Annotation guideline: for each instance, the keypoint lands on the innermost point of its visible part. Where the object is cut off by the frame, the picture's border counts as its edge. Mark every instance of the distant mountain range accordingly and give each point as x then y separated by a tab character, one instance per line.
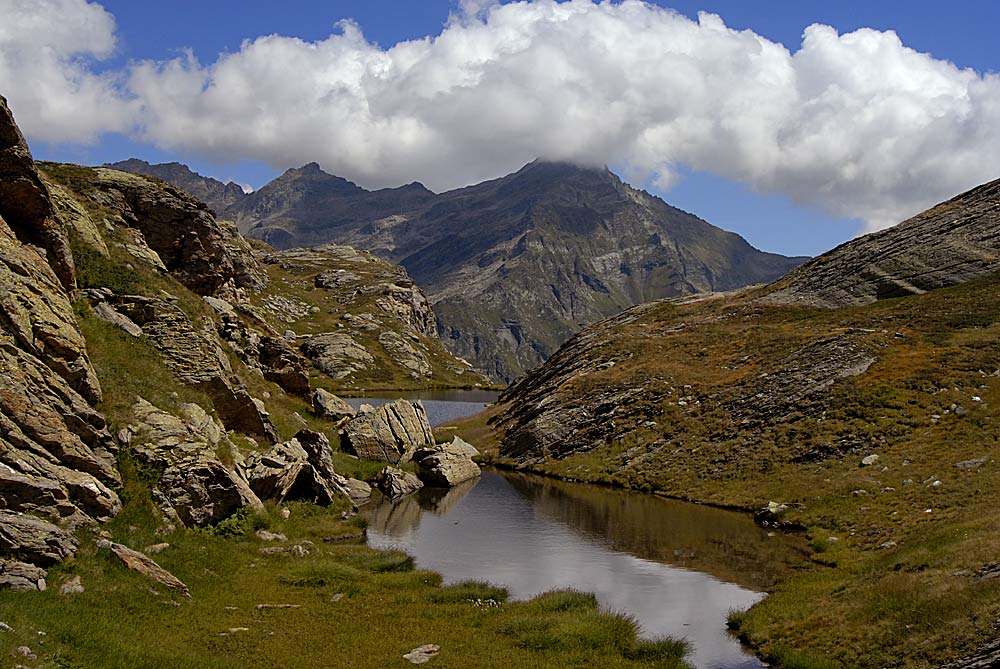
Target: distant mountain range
513	266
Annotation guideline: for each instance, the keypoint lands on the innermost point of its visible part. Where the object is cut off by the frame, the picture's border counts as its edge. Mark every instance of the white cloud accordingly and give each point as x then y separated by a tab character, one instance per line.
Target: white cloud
46	47
857	124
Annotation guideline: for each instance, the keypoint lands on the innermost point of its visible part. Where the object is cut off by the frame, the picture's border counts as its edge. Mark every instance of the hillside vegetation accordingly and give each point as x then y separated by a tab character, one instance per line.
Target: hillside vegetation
872	427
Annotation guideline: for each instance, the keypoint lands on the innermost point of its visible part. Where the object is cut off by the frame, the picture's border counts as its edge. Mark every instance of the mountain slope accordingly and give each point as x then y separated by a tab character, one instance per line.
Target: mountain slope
951	243
514	266
873	426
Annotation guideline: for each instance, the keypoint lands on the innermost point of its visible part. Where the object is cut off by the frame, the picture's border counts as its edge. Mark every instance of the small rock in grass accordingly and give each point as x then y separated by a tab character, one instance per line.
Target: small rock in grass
264	535
422	654
72	586
975	463
156	548
25	652
869	460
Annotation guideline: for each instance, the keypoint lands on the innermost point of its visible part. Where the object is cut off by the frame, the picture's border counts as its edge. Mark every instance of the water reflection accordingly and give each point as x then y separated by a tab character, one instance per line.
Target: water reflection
678	568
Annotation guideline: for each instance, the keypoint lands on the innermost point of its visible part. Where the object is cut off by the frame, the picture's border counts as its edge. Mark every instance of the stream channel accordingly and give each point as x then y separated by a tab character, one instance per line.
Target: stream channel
676	567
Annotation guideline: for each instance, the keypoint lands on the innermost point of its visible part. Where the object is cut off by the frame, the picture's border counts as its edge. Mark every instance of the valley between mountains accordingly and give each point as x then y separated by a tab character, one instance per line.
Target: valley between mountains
180	478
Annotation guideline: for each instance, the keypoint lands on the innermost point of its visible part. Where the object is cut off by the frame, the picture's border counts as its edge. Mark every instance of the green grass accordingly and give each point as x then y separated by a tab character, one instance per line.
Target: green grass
476	592
365	608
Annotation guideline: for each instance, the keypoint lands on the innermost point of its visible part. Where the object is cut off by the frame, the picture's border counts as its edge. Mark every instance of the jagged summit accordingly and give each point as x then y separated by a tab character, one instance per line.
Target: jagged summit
217	195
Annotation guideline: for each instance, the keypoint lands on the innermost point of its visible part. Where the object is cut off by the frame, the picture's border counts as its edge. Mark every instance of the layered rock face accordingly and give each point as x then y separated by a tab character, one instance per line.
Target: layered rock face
514	266
391	433
954	242
194	487
56	454
204	254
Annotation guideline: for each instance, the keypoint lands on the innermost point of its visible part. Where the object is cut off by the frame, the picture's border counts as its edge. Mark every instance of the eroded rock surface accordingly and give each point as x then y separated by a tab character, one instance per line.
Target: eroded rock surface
327	405
952	243
32	540
390	433
298	469
56	454
445	465
395	483
194	487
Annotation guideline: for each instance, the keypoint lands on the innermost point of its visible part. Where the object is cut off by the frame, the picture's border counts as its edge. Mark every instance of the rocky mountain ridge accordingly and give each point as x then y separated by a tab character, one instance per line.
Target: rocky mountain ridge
514	266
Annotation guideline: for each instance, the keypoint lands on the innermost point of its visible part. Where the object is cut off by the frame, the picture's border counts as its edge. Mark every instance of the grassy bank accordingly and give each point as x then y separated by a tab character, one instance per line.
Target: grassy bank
340	605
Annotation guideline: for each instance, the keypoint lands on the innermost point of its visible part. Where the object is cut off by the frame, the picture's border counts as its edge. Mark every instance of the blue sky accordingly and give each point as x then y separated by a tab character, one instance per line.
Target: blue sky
961	32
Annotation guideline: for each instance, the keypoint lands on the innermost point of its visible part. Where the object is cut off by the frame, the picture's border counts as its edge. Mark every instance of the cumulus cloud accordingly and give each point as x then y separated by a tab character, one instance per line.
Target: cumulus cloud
47	48
856	124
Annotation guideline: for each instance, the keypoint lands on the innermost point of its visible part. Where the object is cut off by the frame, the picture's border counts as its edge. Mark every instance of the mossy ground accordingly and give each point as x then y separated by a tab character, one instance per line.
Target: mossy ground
896	545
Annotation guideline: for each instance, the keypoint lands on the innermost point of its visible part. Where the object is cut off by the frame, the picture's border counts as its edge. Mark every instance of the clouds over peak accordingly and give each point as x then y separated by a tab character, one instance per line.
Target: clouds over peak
857	124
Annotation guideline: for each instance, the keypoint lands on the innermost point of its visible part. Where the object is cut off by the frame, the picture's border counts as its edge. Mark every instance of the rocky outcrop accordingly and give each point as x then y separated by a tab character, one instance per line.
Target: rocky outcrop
337	354
260	348
56	454
20	576
954	242
446	465
206	255
390	433
194	486
32	540
217	195
395	483
360	318
193	355
327	405
25	203
298	469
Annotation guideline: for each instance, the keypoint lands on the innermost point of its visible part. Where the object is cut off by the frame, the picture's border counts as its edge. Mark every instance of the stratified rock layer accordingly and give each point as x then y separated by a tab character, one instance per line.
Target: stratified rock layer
955	242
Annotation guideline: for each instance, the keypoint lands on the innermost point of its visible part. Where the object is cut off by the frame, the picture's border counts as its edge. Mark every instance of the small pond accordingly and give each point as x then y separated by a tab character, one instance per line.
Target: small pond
677	567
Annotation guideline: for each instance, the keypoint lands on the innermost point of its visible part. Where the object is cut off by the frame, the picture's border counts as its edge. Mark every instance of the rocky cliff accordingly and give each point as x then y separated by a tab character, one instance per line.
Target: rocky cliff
56	453
514	266
873	426
144	342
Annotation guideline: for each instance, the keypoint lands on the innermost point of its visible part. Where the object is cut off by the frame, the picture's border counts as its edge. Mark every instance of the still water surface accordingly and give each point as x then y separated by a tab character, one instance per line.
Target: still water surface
677	567
442	406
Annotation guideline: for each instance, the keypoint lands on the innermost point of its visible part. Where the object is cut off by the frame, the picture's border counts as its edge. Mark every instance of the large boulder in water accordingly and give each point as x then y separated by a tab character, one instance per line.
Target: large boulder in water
390	433
446	465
